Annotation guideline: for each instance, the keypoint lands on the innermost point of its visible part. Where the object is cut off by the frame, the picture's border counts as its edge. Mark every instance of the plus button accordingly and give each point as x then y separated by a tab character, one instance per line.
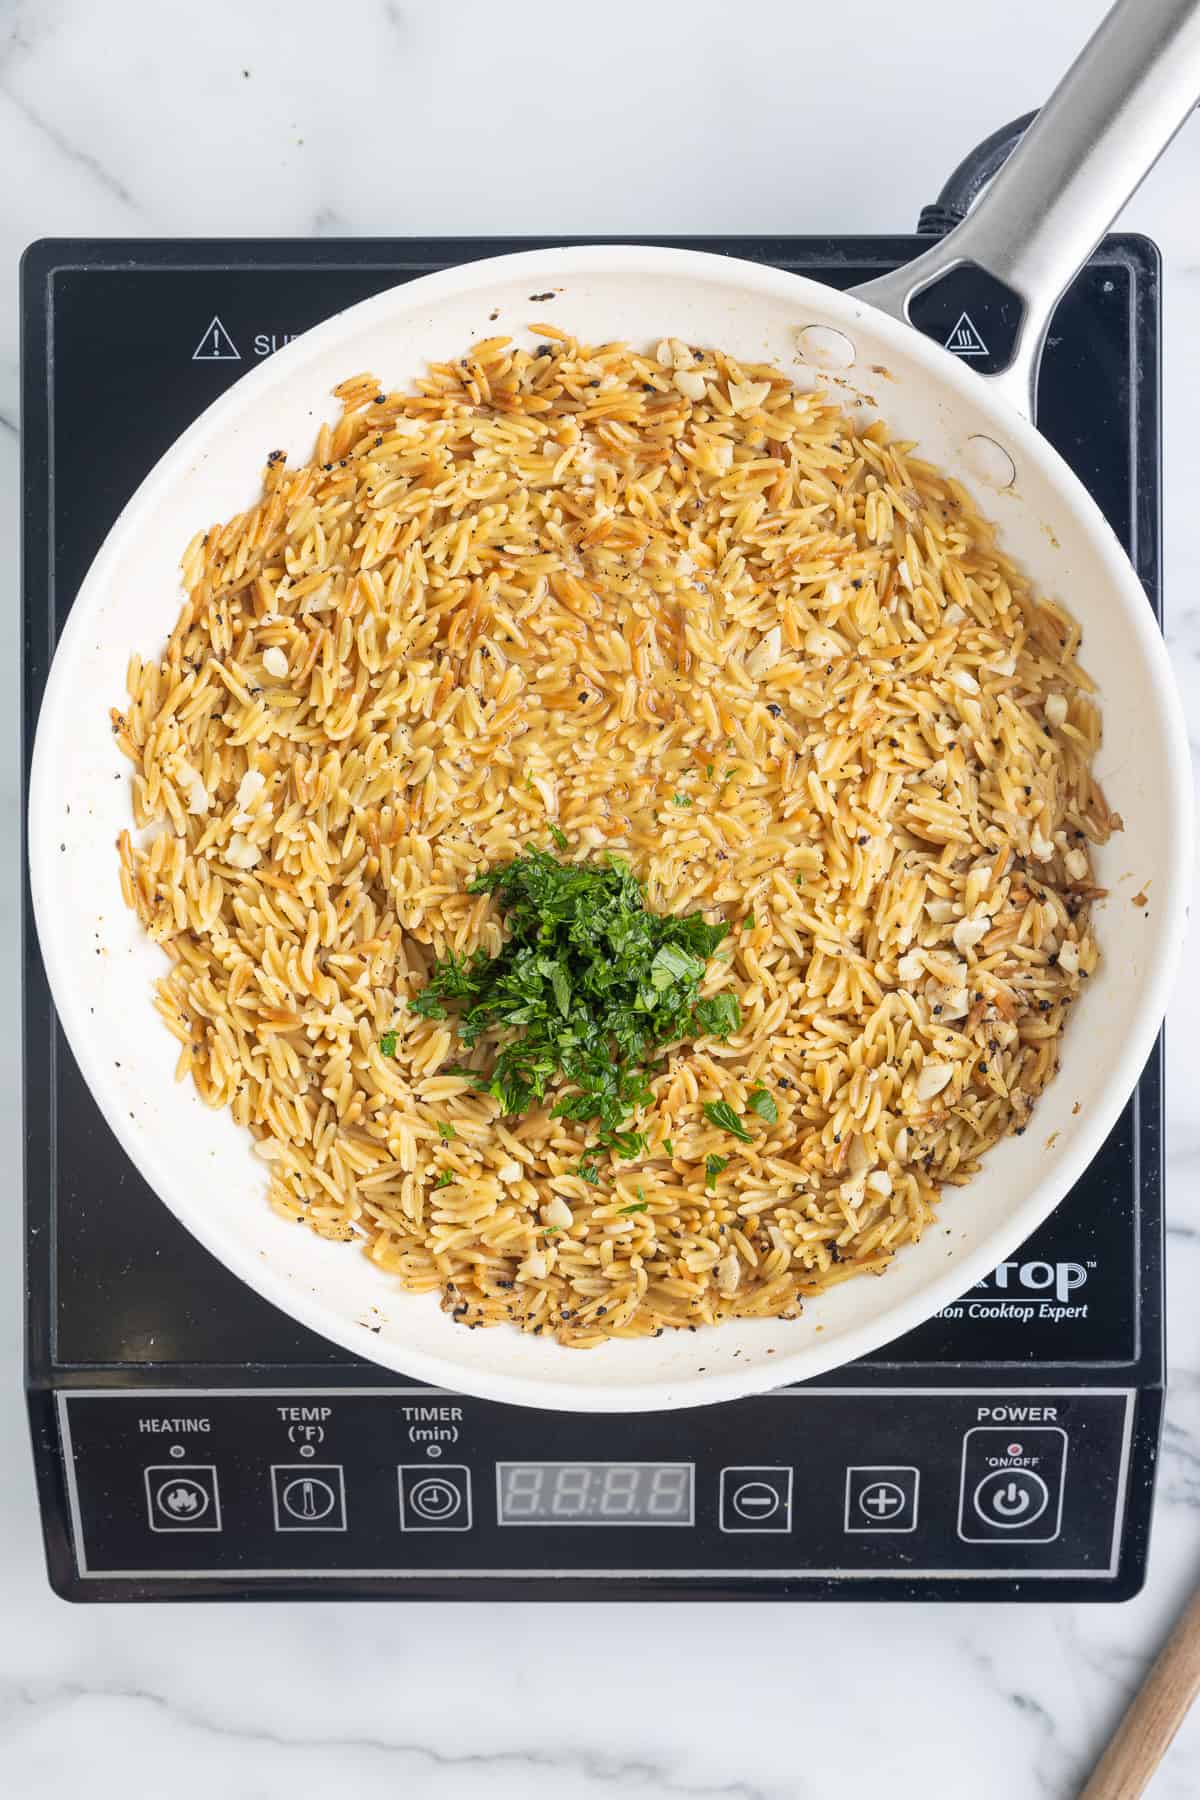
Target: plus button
881	1499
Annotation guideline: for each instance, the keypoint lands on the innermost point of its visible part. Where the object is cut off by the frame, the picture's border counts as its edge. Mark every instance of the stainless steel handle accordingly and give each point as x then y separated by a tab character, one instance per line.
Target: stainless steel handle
1097	137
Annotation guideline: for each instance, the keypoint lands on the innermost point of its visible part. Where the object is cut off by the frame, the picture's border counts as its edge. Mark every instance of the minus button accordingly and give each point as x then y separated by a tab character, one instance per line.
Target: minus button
756	1499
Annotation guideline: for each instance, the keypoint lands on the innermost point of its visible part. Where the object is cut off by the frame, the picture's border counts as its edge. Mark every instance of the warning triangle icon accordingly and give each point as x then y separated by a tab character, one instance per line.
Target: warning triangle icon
965	340
216	345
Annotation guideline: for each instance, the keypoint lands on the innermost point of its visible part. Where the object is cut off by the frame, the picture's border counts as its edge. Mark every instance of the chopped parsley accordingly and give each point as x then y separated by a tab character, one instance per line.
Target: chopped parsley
763	1103
749	923
719	1016
712	1168
445	1179
668	1146
708	772
681	800
635	1206
587	986
560	837
446	1131
387	1044
590	1171
722	1115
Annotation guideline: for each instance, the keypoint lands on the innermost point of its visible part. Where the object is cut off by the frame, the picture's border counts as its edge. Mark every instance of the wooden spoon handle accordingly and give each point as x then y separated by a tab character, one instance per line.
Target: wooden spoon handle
1155	1714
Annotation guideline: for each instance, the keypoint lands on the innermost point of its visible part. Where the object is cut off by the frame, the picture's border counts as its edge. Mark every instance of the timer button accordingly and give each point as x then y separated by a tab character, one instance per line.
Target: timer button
435	1499
756	1499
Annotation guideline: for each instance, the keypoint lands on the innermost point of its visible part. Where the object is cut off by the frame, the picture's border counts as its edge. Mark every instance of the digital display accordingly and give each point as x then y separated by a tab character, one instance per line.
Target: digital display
595	1493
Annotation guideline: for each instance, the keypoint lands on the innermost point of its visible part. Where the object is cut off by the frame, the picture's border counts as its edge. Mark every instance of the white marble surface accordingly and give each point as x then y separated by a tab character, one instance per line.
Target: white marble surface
642	115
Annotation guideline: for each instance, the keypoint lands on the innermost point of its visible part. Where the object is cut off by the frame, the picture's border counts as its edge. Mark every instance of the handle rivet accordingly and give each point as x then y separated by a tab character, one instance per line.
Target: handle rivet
989	462
826	347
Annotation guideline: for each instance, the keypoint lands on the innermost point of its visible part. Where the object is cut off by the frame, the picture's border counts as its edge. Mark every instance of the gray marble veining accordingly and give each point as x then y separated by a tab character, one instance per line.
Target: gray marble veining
464	117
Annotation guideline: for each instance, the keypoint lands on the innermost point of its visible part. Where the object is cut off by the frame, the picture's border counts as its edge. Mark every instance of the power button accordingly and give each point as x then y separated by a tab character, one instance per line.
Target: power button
1009	1499
1012	1484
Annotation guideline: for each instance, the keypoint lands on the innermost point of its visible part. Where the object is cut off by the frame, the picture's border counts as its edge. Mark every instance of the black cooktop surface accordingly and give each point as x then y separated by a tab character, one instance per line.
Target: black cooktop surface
124	344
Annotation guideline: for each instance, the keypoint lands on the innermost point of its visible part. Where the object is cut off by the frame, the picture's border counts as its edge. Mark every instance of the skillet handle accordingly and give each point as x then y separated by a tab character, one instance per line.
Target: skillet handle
1100	133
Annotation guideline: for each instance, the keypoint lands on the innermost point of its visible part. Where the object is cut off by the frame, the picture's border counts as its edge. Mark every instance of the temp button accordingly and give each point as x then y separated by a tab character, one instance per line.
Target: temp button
308	1496
1012	1484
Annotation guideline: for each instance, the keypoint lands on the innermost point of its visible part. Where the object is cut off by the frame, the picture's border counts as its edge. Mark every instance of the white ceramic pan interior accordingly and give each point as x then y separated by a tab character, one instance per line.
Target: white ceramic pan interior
102	968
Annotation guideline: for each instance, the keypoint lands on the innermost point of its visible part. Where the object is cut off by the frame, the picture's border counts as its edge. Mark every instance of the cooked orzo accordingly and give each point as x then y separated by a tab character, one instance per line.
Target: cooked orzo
663	607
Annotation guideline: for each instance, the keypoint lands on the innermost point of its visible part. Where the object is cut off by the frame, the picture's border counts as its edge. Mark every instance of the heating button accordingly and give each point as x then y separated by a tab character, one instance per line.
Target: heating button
183	1497
1012	1484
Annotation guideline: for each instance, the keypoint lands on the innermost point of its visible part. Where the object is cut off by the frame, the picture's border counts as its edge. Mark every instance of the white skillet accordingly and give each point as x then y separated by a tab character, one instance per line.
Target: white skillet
1103	129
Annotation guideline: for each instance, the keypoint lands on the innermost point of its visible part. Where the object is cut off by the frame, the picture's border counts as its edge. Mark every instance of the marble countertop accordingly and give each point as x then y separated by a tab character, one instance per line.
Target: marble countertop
642	116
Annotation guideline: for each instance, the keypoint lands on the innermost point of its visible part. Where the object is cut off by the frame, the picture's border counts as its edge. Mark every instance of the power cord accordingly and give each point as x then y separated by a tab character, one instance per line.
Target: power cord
962	189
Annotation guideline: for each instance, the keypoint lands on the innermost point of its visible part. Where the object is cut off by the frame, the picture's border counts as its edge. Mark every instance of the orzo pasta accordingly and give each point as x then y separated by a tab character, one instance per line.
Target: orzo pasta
657	605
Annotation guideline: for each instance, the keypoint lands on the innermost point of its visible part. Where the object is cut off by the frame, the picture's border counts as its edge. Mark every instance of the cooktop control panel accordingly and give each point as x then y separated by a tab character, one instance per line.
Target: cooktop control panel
413	1482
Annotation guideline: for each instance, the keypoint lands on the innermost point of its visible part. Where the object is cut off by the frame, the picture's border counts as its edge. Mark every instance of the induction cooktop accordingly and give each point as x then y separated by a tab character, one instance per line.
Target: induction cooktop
193	1442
